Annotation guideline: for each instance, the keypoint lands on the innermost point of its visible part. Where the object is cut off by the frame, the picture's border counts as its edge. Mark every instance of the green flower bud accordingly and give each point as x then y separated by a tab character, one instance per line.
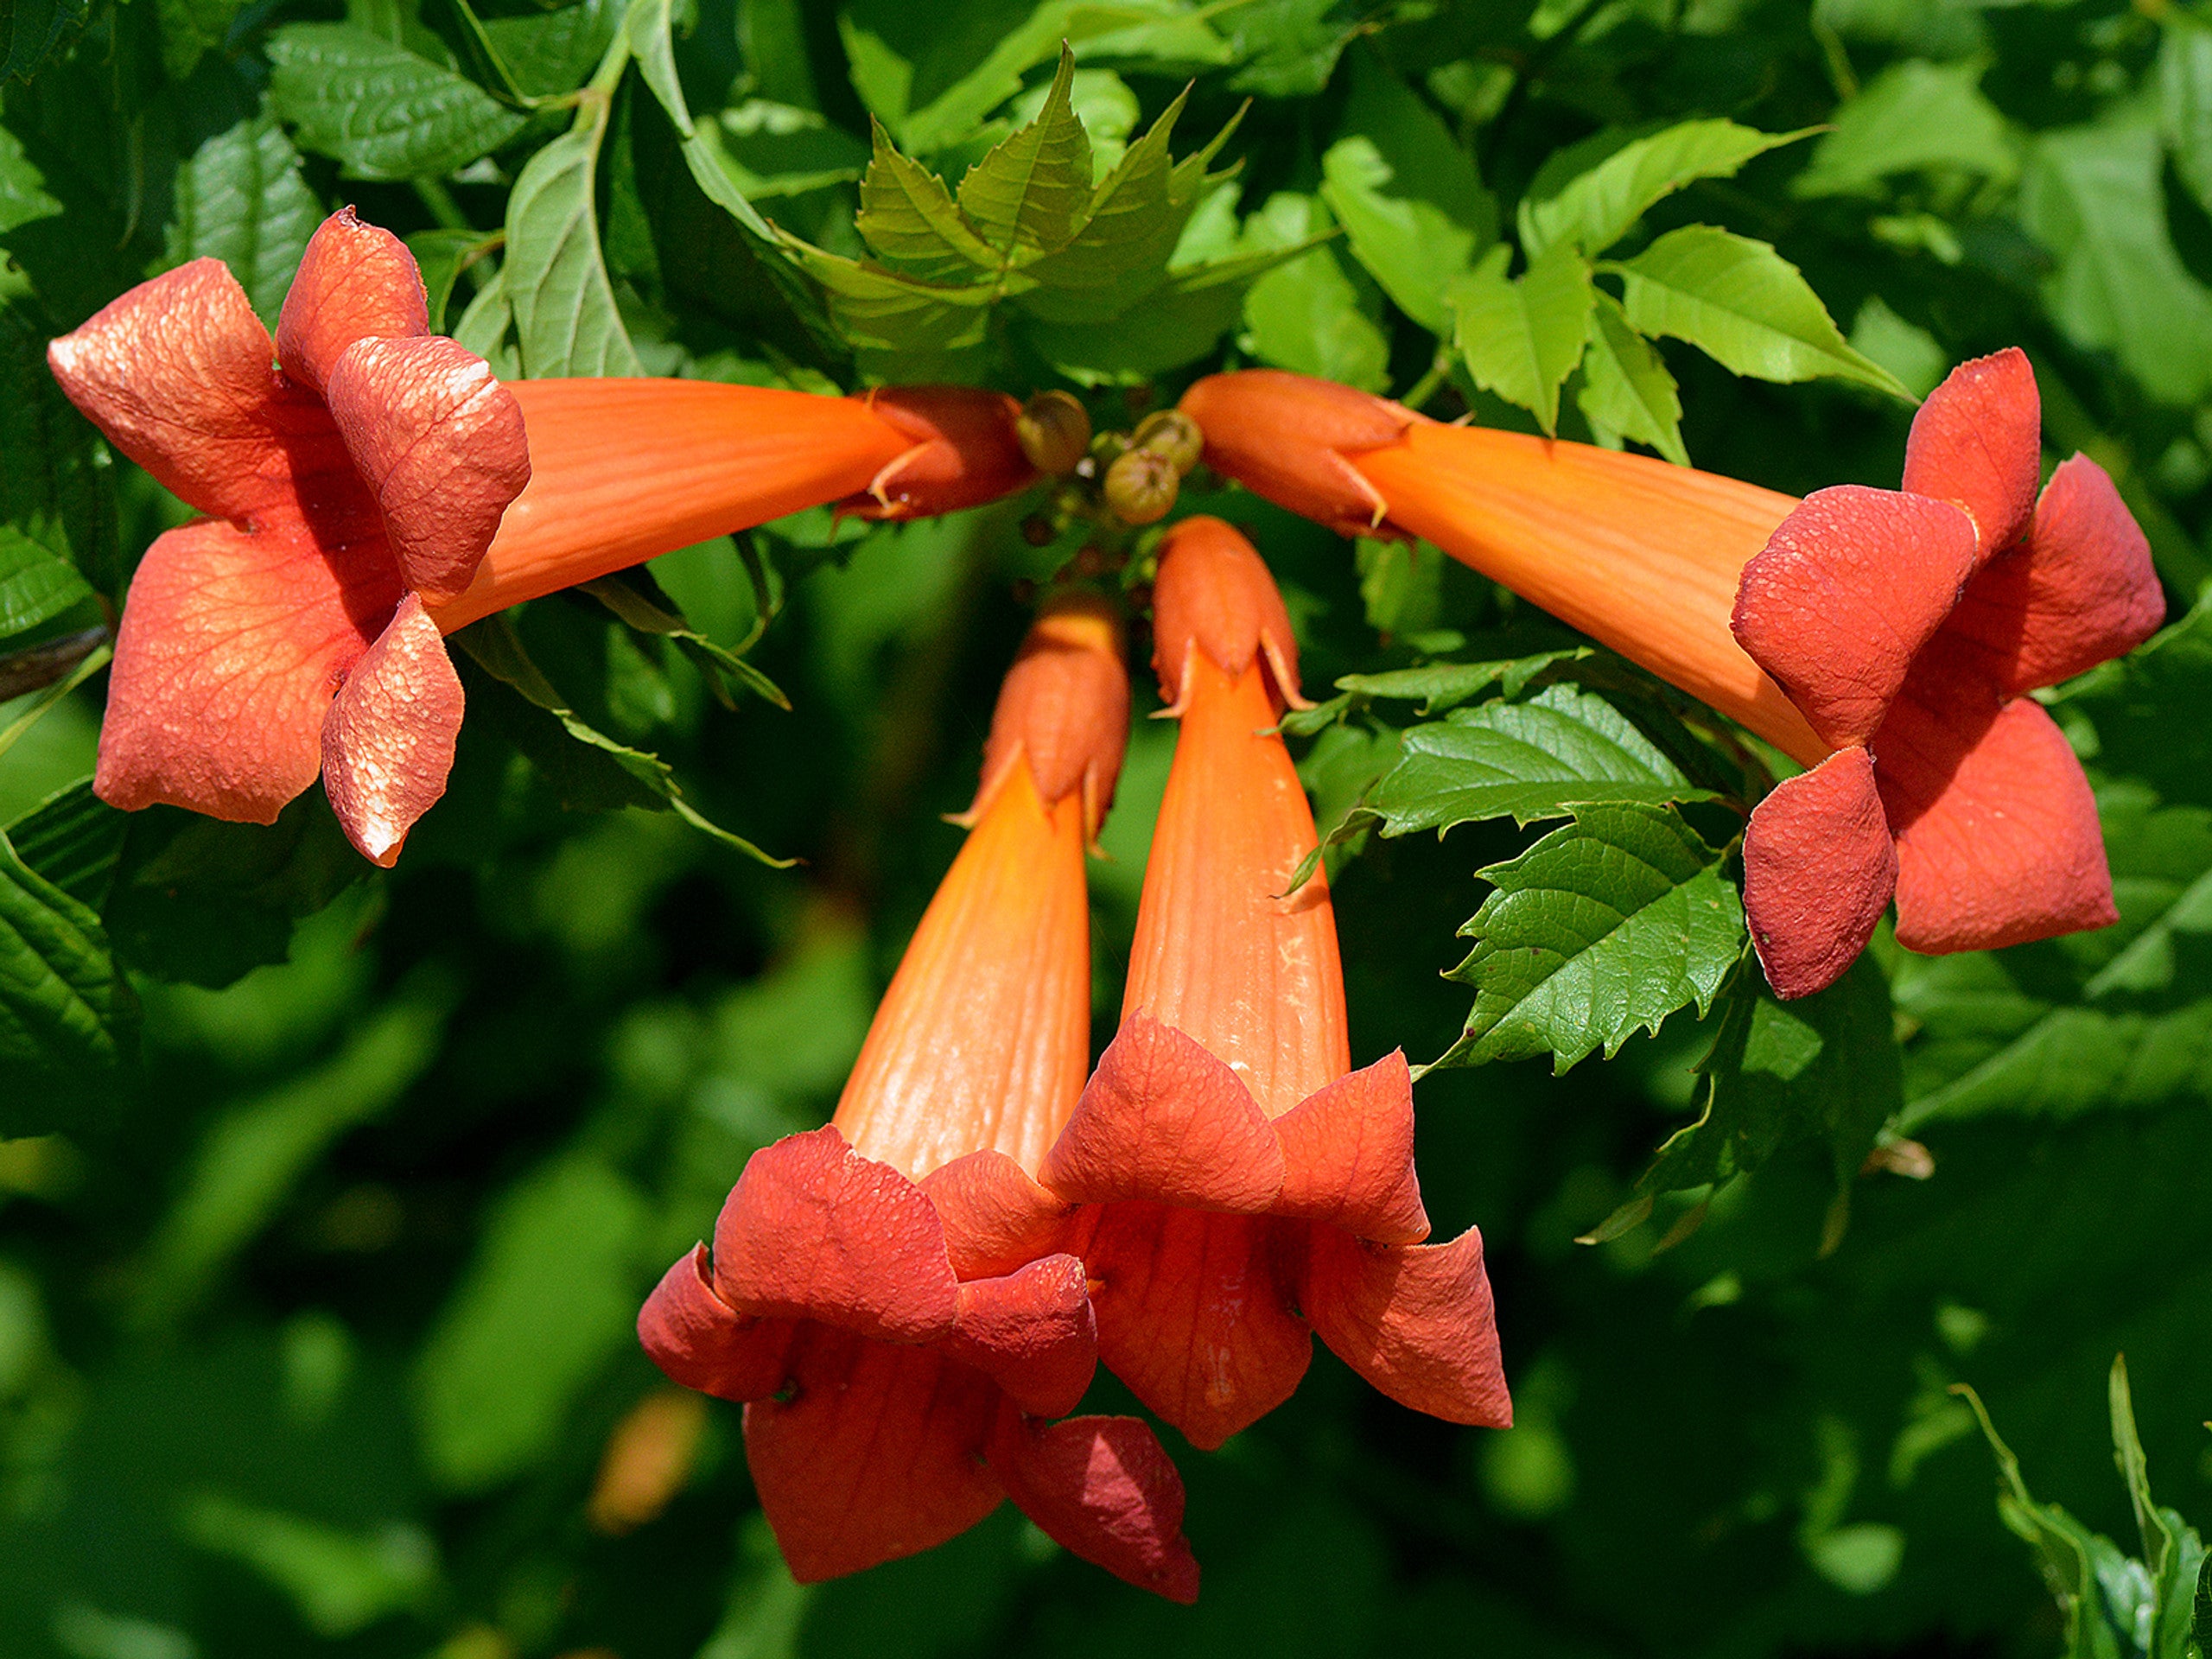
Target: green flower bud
1142	486
1054	430
1174	434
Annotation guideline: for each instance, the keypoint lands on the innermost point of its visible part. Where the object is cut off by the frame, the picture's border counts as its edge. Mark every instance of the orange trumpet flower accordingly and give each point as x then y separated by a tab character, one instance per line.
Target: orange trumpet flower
370	486
1238	1188
1885	639
899	1351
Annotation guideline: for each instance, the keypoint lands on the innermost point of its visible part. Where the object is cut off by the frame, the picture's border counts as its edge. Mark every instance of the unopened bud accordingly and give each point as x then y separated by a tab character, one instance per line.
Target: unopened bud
1174	434
1142	486
1054	432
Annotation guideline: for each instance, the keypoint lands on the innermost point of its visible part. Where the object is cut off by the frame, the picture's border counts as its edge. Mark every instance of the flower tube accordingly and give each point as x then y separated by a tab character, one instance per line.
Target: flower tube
900	1353
375	487
1238	1186
1883	639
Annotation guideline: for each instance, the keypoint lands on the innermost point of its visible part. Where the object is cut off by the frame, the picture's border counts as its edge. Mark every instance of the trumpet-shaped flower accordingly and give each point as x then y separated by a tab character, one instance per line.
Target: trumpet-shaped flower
1883	639
900	1350
369	487
1238	1188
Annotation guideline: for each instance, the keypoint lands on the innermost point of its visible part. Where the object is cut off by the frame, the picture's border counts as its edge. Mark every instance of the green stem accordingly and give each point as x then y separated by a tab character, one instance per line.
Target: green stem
1439	370
30	716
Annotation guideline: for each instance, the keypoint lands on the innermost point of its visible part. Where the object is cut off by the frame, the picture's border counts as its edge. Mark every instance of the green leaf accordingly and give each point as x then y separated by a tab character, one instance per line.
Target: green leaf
1602	929
910	221
23	197
2204	1607
191	29
555	276
554	52
635	597
339	1581
2185	101
37	29
1561	750
1304	314
1407	195
442	256
1597	208
1625	386
1181	320
2093	196
36	587
72	839
241	198
1033	191
378	108
769	150
65	1014
1915	117
1436	686
1287	49
1743	305
1522	338
57	488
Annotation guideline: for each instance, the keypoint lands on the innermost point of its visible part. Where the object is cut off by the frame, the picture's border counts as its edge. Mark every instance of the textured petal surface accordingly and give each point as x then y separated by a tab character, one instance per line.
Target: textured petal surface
1030	1332
1214	595
1348	1156
1853	583
1064	708
356	281
1192	1315
439	442
1977	444
693	1336
963	451
388	740
2080	590
230	644
1818	870
1102	1488
878	1453
1163	1119
1287	436
1998	838
995	1217
1415	1320
177	372
814	1230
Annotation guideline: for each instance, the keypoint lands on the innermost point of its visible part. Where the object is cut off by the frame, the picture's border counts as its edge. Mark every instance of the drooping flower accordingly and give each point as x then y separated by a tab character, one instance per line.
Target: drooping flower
901	1354
1237	1186
370	486
1883	639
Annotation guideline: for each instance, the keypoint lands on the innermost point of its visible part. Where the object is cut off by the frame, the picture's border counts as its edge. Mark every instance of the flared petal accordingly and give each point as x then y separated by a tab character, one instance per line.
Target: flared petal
1288	437
1819	870
1031	1331
878	1453
1064	708
1996	832
2080	590
1191	1314
622	470
1852	585
814	1230
388	739
699	1342
356	281
1348	1156
230	644
1105	1489
1415	1320
963	449
996	1218
439	442
1215	597
177	372
1162	1119
1977	444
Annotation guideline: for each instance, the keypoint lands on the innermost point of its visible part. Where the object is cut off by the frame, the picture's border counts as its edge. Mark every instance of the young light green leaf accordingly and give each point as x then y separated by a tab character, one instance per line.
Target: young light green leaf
241	197
1744	306
1304	314
1596	209
1602	929
1522	338
2185	101
881	311
36	587
1033	191
908	219
1626	387
1915	117
64	1009
380	110
554	275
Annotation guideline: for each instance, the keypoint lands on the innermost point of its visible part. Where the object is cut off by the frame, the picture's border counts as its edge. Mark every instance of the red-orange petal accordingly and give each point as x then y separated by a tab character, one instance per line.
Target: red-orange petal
995	1217
1287	436
1998	838
1839	602
1977	444
230	644
1819	870
2081	589
1415	1320
1191	1314
1348	1156
878	1453
699	1342
1105	1489
356	281
439	442
388	740
1064	707
814	1230
963	450
1031	1331
1214	594
1162	1119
